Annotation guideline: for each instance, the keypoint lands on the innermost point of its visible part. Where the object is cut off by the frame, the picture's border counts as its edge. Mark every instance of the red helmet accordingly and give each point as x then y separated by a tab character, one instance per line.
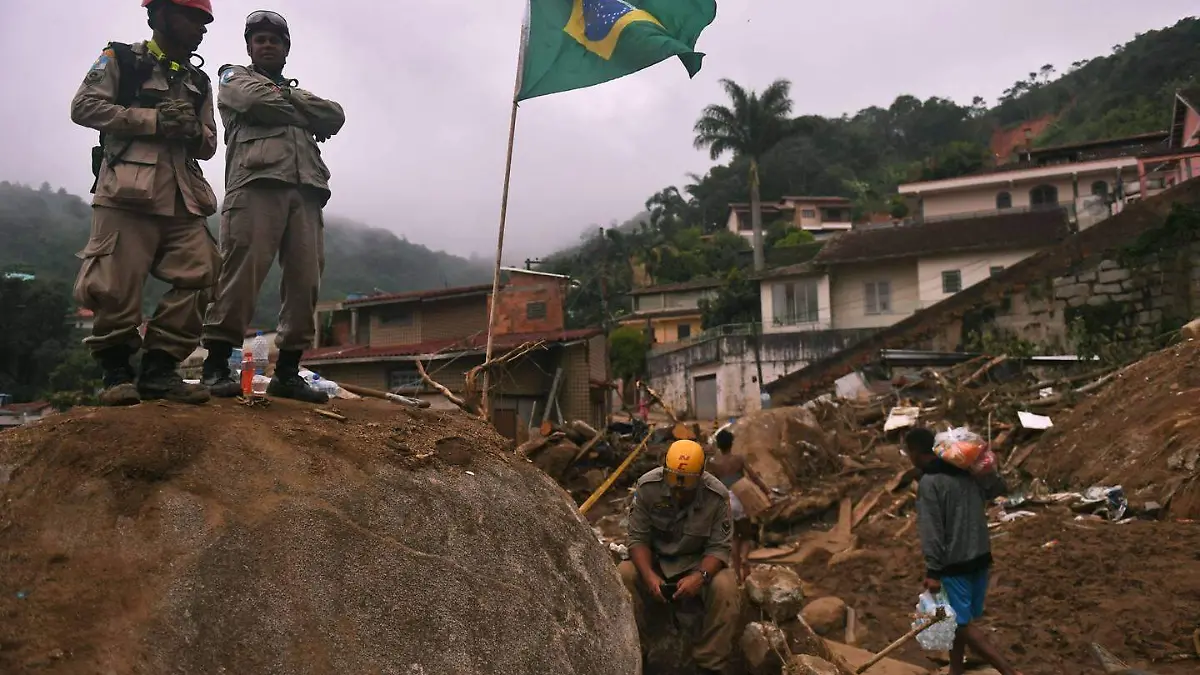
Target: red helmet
202	5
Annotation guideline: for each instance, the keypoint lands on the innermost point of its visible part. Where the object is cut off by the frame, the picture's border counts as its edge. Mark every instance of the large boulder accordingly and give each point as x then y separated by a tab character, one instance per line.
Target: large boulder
249	540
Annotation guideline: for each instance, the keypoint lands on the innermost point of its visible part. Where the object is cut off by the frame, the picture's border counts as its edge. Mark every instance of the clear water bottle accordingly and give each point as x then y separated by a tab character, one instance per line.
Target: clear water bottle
261	353
235	362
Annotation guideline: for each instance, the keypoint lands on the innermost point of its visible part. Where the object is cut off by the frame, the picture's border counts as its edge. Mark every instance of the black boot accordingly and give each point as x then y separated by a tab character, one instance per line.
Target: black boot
160	380
119	389
217	376
287	382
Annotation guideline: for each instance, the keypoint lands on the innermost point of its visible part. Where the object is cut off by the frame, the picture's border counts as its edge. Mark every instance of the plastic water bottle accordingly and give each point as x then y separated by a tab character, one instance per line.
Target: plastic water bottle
235	361
261	353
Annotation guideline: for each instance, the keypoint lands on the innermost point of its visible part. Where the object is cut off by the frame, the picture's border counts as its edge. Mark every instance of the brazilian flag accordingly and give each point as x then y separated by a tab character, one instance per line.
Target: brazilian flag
571	44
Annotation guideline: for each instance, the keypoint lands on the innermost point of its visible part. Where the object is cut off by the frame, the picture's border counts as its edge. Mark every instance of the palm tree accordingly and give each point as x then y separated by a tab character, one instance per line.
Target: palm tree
754	124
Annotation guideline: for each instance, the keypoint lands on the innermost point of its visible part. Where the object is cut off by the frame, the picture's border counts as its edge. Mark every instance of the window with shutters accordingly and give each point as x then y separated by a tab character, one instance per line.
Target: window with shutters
795	302
951	281
878	298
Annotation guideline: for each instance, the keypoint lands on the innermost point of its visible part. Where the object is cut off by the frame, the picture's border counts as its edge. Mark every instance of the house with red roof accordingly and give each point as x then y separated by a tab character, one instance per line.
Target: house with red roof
376	341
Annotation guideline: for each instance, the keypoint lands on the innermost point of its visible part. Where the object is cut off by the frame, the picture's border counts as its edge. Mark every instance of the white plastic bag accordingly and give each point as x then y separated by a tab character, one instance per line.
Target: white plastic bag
959	446
939	638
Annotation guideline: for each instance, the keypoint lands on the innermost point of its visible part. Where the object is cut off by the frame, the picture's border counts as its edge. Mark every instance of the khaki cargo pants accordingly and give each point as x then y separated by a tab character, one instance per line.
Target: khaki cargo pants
722	611
125	247
259	222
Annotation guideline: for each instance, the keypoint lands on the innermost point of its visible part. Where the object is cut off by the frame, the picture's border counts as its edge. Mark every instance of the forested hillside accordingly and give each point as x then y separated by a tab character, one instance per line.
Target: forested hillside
42	229
864	156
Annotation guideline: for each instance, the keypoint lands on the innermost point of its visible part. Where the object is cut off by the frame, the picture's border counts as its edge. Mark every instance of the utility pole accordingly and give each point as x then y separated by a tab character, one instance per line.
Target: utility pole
604	322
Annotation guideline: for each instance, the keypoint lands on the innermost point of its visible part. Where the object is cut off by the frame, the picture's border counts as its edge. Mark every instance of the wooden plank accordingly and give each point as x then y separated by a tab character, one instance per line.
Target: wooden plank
864	507
1018	458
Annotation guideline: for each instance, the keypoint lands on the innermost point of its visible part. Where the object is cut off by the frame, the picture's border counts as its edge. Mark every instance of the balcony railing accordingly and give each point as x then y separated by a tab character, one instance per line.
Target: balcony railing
712	333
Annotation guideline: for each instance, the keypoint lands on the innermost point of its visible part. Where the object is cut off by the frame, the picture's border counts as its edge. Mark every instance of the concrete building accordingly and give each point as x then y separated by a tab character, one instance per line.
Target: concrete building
376	341
821	216
670	312
1053	177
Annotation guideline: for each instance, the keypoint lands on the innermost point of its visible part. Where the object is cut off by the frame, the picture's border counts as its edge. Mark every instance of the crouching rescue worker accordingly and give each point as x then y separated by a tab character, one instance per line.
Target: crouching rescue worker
154	112
276	186
679	534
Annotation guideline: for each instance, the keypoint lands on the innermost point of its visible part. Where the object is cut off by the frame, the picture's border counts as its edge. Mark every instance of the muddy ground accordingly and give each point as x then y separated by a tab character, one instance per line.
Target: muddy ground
1057	585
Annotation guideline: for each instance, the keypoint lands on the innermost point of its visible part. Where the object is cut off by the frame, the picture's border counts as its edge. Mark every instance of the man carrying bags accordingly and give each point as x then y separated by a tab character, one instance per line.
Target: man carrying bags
154	112
276	186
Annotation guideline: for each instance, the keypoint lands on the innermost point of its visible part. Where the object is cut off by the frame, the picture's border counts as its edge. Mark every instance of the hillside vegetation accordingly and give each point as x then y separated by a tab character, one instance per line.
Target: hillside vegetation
864	156
43	229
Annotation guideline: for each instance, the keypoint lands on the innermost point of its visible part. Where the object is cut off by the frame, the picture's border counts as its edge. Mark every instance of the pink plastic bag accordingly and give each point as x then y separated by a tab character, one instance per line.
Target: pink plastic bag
985	463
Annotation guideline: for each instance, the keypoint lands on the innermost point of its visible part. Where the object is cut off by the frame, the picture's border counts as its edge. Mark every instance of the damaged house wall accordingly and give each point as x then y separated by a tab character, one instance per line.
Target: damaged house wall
720	377
1140	231
1136	292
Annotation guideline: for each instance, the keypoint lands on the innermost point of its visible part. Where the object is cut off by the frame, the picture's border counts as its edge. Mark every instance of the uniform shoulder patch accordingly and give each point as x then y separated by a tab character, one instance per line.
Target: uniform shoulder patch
96	72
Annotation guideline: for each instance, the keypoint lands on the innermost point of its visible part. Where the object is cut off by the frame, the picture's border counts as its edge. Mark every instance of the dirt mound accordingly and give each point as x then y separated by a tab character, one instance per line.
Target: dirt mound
1141	432
1057	586
222	538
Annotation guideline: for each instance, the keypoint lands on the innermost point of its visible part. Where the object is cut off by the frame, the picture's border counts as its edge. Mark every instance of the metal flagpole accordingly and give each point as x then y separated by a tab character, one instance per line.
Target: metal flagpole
485	401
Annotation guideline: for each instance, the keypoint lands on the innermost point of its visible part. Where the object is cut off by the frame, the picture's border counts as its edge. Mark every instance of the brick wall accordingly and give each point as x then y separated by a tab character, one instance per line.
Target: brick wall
398	324
513	305
575	390
455	318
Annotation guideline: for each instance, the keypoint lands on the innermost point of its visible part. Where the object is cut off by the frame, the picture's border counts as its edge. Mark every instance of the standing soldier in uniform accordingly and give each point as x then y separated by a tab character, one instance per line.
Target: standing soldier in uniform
679	535
154	112
276	185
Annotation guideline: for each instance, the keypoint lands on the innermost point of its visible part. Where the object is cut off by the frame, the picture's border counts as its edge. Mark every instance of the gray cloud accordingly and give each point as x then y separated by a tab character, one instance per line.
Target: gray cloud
426	87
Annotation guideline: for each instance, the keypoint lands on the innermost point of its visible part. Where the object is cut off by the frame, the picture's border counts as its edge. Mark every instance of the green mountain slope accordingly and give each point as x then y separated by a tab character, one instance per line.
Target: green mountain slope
42	229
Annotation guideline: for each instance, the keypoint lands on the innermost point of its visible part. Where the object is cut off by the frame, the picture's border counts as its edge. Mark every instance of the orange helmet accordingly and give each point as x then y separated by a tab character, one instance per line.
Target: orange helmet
684	464
202	5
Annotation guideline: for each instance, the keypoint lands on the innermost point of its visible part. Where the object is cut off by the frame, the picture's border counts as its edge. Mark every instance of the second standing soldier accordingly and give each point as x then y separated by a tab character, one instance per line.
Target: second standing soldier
276	186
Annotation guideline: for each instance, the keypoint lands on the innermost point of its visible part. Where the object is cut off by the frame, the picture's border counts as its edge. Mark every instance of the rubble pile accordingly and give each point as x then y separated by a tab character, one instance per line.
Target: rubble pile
228	538
1141	432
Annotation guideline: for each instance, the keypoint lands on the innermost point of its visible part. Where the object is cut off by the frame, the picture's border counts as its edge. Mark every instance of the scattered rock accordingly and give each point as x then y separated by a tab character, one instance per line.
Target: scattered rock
825	615
554	459
804	664
594	478
778	591
761	644
1191	329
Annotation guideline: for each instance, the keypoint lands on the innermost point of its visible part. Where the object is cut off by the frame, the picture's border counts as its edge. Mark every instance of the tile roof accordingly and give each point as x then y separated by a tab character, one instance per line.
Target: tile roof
647	314
477	342
692	285
788	271
1020	229
25	408
412	296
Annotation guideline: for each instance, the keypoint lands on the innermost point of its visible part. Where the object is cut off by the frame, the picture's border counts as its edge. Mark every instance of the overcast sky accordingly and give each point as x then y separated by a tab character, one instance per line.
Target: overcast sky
427	86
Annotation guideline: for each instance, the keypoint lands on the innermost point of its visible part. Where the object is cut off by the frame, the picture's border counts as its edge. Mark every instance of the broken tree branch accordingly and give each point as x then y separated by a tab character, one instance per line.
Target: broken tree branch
984	370
441	389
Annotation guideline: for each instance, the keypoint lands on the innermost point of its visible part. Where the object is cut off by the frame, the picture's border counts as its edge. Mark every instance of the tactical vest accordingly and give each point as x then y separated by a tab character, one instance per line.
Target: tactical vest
134	72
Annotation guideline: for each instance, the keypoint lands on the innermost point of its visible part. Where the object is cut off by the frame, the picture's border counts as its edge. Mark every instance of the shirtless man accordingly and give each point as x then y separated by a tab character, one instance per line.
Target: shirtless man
731	468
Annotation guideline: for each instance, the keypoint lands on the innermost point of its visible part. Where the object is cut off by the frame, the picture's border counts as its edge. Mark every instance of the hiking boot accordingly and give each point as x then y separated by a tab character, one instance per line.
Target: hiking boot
218	376
119	389
287	382
161	380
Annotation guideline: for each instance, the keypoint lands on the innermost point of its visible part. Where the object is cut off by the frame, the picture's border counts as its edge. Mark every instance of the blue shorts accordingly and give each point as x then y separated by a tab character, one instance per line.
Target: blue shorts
966	594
